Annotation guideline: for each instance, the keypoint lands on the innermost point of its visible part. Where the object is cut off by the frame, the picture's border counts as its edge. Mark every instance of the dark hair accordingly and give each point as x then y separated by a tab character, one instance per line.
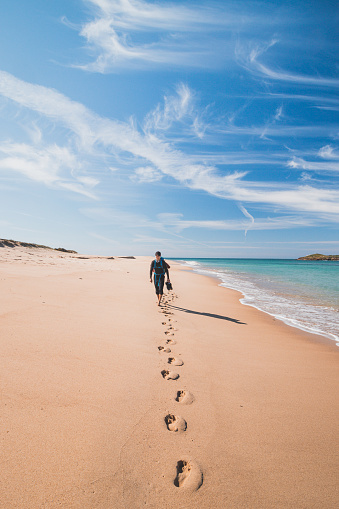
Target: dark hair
158	253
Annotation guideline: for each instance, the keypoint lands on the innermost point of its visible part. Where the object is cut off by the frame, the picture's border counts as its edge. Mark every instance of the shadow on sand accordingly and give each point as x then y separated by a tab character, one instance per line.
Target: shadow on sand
211	315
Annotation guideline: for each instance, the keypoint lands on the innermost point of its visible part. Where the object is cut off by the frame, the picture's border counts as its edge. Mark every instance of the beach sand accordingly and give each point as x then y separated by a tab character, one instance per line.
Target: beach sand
89	410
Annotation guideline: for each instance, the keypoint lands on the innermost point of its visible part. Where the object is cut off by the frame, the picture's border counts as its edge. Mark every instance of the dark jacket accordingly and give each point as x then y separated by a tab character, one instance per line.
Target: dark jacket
158	269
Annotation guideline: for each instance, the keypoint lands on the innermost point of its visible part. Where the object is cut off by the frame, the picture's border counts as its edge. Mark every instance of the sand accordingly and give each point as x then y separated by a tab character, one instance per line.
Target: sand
108	401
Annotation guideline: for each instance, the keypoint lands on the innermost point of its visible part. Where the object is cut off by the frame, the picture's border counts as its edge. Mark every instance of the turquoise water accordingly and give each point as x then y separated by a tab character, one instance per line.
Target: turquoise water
301	293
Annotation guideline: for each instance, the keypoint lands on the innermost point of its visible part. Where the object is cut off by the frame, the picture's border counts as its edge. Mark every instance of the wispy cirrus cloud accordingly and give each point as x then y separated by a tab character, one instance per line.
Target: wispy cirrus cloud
300	163
329	152
179	108
249	58
300	97
146	174
294	78
46	165
135	33
177	223
249	216
329	163
94	134
281	131
175	108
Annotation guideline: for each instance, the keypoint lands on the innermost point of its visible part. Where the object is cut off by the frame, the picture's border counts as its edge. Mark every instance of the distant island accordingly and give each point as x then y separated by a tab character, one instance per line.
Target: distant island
320	257
15	243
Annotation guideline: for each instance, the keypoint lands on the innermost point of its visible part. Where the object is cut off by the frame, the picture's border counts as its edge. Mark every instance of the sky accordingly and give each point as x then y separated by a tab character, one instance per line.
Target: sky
197	128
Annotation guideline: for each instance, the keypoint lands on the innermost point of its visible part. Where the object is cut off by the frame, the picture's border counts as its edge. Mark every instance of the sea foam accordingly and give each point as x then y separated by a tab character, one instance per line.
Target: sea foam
290	303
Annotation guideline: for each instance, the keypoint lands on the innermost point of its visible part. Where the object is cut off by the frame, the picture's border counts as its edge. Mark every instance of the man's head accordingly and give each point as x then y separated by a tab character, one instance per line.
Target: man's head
158	255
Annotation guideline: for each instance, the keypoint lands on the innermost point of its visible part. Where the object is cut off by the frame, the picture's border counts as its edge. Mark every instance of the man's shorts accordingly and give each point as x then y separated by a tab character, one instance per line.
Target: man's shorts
159	282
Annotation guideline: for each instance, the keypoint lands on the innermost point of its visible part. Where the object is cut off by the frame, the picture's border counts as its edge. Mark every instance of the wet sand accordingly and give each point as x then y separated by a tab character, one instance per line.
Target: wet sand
108	401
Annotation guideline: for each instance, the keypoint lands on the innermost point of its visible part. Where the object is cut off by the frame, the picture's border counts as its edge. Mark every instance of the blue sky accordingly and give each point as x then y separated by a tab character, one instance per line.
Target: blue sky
197	128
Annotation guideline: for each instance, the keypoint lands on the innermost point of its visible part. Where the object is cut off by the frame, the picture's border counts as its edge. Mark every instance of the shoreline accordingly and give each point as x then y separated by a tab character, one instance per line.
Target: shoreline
242	299
320	338
97	413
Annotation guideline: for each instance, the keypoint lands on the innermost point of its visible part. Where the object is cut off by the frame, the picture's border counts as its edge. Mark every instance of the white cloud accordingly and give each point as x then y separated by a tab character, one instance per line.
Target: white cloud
300	163
94	134
327	108
176	221
279	113
179	108
175	108
51	165
281	131
250	217
248	58
328	152
305	177
51	104
142	15
137	33
296	78
88	181
46	165
146	174
255	51
39	165
300	97
172	223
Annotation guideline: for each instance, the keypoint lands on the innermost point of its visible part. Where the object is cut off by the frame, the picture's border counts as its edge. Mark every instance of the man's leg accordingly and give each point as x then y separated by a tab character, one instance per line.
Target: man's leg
161	288
157	289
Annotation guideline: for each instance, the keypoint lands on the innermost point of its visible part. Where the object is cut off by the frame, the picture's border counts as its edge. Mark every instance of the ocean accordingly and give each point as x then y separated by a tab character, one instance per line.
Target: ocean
304	294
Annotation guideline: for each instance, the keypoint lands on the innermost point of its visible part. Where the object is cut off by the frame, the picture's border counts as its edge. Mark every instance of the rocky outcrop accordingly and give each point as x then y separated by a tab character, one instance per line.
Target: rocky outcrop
320	257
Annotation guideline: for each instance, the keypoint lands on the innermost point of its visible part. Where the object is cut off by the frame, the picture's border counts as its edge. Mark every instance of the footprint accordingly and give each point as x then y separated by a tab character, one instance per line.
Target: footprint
175	362
163	349
183	473
188	475
175	423
169	375
163	323
184	397
171	342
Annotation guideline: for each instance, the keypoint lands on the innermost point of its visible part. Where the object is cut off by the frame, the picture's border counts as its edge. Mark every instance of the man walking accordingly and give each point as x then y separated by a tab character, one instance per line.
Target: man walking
159	267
